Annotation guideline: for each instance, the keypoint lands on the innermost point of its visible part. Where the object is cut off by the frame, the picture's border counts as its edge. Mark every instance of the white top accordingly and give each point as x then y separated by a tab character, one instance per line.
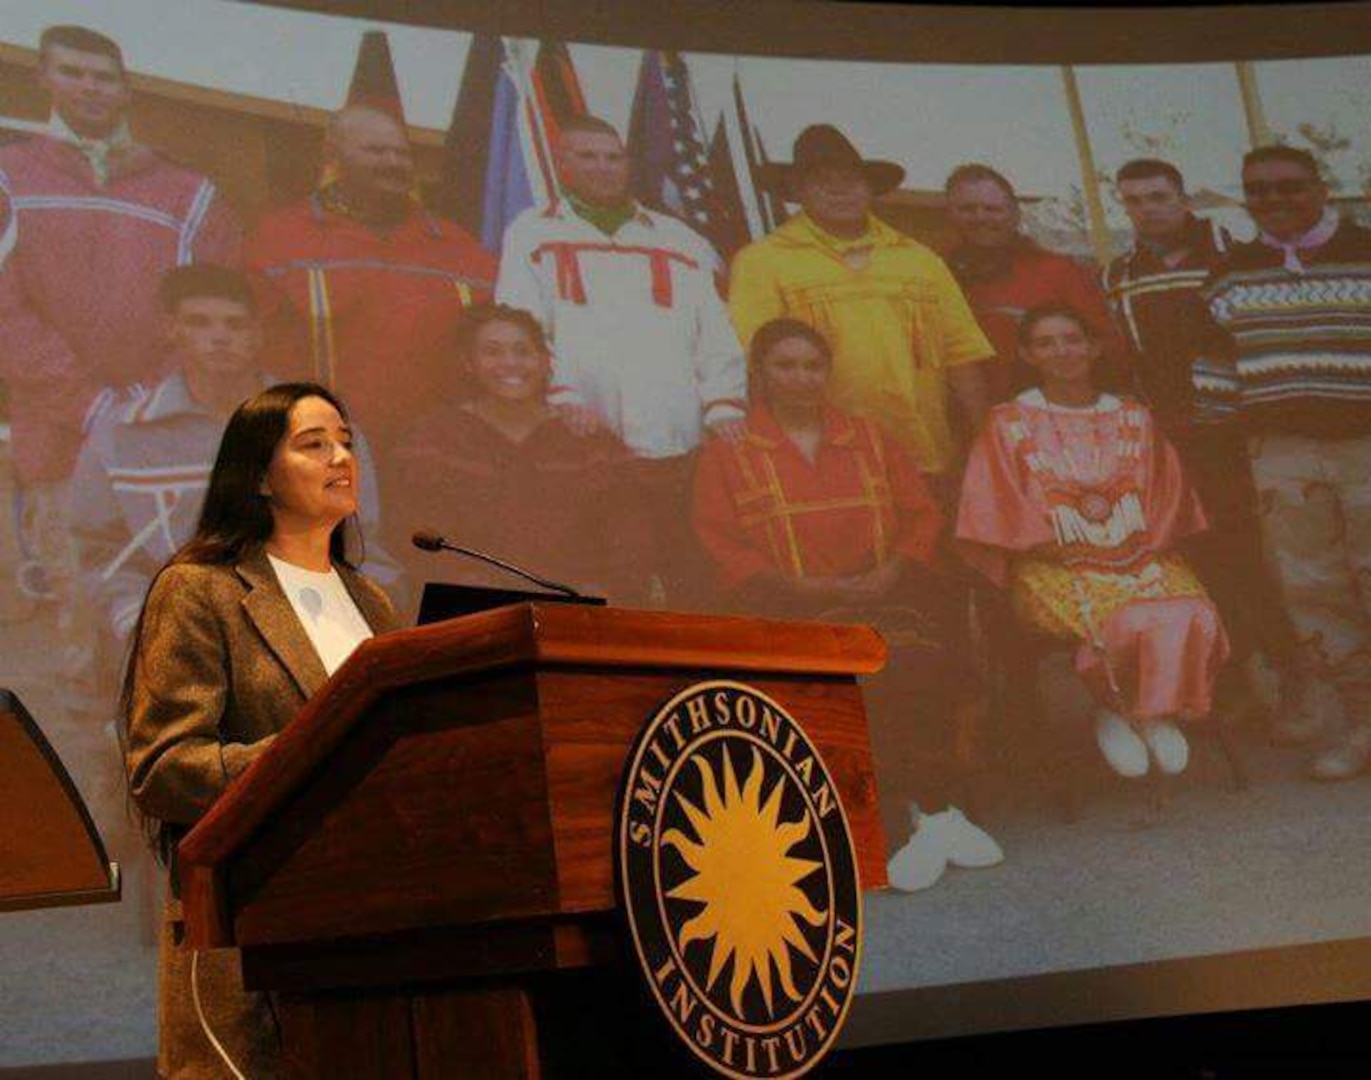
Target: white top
637	328
325	609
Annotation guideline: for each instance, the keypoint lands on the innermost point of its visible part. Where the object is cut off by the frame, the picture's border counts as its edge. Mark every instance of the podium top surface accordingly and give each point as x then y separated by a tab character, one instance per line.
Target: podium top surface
623	637
521	635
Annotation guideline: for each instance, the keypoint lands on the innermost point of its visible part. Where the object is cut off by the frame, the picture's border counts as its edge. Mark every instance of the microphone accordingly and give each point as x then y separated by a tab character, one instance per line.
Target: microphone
429	540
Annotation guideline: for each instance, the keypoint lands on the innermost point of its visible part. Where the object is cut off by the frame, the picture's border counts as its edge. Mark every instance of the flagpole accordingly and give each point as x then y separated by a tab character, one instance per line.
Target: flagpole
737	144
1258	131
755	155
1090	184
519	68
695	104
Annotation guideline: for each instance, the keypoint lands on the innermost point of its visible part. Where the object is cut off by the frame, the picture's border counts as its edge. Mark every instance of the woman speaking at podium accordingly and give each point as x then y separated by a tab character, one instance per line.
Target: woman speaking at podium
245	622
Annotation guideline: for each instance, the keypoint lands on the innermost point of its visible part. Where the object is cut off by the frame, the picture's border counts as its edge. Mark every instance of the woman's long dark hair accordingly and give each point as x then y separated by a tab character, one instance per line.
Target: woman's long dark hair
235	521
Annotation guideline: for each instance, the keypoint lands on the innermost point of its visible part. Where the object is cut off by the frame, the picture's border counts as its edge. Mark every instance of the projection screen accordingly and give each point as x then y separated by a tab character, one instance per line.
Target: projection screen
650	457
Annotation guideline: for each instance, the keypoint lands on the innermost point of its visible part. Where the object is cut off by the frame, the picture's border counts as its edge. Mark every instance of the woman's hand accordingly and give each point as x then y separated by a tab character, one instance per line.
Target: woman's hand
580	419
731	431
851	588
876	583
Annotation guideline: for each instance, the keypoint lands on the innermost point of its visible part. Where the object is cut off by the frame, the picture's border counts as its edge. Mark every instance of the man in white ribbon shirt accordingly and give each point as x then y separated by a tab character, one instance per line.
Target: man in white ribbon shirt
641	339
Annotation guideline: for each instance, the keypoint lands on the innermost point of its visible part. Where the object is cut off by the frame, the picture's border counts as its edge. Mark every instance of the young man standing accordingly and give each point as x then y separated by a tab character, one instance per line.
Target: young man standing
1156	290
143	471
1293	372
89	220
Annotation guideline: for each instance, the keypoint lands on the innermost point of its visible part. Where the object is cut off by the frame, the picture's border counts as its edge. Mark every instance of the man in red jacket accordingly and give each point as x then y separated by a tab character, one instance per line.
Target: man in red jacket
362	288
1005	273
89	220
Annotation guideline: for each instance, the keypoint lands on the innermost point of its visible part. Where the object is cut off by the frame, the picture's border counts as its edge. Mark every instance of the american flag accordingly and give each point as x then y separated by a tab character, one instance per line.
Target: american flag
673	168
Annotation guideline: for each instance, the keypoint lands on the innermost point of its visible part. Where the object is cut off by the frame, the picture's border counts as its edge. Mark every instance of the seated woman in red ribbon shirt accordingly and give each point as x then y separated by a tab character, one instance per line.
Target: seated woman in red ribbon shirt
812	508
816	513
1074	501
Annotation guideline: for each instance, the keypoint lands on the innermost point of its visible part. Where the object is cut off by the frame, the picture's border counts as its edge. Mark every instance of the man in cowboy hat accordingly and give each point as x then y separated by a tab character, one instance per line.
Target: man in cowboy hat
901	331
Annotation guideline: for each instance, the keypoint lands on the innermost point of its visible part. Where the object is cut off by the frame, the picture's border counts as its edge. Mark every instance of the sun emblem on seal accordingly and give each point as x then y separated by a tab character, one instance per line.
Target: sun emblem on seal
747	881
738	881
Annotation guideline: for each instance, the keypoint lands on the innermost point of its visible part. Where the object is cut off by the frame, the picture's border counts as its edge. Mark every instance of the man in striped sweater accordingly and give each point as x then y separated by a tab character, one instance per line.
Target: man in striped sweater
1294	373
1156	291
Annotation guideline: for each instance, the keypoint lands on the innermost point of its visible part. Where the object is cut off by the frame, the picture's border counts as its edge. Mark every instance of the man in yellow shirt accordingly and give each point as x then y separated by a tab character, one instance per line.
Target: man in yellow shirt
901	330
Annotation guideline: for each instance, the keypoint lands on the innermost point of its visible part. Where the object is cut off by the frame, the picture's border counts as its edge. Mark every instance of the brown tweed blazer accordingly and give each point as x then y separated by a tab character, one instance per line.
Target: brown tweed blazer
223	665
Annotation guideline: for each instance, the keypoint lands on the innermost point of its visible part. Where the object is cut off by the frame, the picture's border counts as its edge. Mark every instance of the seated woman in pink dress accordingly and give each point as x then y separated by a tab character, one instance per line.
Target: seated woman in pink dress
1074	502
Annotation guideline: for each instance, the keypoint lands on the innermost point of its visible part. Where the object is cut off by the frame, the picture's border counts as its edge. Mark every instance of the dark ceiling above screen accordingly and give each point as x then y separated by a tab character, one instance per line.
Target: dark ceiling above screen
966	34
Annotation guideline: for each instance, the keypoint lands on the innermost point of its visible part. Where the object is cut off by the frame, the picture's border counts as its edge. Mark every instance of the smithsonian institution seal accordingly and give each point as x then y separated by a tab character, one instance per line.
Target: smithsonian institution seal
739	882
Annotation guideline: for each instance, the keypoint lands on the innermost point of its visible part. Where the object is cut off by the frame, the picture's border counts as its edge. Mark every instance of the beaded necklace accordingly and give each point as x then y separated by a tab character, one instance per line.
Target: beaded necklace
1097	507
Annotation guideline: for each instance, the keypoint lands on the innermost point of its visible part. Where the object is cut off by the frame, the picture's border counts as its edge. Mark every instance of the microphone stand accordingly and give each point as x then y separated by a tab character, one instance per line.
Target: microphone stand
441	543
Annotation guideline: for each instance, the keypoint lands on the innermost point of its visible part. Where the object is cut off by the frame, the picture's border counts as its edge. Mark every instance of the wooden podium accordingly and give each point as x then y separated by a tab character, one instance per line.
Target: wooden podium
434	830
51	854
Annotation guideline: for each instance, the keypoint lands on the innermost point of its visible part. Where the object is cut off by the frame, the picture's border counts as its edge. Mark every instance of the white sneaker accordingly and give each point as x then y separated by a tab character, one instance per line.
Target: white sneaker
1350	755
1167	744
1120	744
921	862
968	846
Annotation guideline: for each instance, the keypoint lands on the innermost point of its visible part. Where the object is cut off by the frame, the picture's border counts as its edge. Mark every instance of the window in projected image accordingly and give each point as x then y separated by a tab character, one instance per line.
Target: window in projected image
1024	365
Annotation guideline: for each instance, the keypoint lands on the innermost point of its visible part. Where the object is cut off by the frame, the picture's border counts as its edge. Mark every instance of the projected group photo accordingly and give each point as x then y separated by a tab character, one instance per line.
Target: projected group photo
1058	376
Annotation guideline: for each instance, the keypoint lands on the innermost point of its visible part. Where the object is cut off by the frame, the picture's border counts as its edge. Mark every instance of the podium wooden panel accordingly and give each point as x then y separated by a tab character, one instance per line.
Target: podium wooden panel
50	852
436	825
